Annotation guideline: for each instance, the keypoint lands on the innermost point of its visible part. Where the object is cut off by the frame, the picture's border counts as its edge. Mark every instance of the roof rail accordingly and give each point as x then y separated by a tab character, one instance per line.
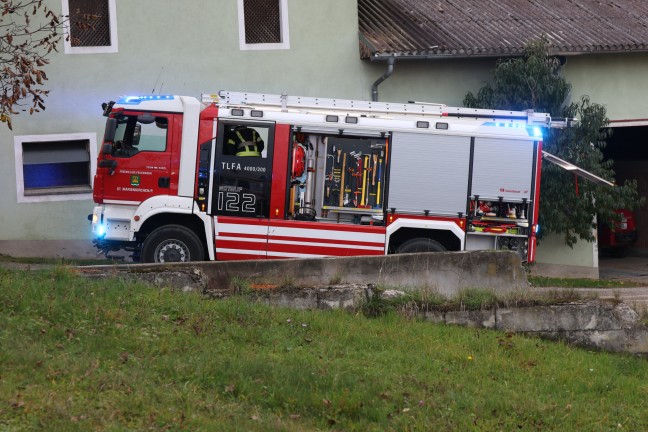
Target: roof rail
370	108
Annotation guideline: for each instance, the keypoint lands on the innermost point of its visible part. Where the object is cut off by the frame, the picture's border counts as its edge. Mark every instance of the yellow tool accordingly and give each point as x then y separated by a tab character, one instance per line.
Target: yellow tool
375	161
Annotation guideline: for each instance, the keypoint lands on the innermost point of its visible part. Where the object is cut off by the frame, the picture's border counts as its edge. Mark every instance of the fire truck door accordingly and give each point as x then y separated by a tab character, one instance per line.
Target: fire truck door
141	158
240	196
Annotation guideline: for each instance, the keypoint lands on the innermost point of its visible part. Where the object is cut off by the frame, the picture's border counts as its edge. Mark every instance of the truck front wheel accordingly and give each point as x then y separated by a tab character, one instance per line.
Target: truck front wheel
172	243
418	245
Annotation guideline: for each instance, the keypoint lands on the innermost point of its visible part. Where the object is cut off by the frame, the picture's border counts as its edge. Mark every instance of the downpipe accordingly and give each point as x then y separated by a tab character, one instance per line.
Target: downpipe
390	70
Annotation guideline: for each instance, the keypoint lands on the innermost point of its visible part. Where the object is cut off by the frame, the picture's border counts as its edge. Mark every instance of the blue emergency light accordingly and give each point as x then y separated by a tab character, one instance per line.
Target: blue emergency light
534	131
136	100
100	231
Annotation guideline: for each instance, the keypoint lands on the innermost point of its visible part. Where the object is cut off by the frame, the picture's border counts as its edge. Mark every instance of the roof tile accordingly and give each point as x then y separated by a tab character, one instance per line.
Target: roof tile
495	28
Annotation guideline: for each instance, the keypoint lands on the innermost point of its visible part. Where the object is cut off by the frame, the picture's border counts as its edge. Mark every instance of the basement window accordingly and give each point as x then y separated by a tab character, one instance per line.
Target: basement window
91	27
54	167
263	24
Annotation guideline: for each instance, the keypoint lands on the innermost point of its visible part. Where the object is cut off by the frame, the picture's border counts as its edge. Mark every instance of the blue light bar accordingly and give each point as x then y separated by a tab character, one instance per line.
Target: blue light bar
534	131
136	100
506	124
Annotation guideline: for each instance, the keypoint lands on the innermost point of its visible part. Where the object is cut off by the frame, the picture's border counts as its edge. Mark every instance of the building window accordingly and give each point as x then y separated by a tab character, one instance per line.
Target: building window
263	24
91	27
54	167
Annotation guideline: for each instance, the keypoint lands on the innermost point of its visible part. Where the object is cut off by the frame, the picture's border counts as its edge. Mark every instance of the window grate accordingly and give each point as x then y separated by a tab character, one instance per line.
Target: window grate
89	23
262	21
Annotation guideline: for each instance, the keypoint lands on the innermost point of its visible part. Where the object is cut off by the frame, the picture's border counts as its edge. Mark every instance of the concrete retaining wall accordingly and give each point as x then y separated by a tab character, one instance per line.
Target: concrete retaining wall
594	325
447	273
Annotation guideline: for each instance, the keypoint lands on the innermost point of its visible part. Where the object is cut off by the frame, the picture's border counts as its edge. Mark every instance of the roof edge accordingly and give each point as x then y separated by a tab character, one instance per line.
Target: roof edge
446	56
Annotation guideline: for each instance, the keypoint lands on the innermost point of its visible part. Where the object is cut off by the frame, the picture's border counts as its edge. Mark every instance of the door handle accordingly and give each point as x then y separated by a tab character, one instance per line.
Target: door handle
164	182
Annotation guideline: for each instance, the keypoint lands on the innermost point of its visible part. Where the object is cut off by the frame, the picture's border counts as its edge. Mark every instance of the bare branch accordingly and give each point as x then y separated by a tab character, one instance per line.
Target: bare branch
29	32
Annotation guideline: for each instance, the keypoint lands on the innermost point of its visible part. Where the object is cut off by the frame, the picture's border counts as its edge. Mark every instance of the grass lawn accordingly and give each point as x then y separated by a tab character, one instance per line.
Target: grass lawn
79	355
543	281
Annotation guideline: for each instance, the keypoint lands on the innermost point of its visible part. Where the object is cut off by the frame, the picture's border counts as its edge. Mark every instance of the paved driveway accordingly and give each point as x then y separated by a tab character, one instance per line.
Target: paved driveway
625	269
630	268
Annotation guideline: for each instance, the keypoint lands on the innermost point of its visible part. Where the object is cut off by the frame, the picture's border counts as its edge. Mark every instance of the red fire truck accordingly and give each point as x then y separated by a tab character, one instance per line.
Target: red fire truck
329	177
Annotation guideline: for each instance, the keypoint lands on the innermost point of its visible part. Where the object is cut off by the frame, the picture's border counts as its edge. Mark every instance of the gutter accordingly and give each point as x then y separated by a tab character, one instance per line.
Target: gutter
463	55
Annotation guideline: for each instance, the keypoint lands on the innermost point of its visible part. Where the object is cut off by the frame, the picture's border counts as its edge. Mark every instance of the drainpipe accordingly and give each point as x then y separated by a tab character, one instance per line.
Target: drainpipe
390	70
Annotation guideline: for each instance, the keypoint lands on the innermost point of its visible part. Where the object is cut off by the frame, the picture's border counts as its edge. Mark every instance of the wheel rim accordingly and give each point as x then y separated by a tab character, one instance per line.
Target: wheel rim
172	251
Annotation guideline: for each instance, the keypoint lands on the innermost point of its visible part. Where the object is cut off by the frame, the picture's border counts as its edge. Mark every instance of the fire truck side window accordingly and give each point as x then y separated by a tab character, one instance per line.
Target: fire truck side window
137	134
245	140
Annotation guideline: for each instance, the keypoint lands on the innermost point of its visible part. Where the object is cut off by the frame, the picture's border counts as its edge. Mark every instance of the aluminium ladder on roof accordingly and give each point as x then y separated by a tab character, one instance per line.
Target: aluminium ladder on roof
371	108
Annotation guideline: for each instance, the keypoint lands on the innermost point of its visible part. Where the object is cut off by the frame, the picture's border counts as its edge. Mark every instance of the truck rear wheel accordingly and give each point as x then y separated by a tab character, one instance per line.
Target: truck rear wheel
172	243
420	245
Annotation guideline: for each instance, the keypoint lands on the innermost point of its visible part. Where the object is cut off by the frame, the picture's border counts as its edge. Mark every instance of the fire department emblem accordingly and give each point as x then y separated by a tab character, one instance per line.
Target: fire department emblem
135	180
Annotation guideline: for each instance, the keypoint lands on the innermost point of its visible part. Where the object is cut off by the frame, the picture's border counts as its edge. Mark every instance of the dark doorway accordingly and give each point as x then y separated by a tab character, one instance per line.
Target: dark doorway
628	148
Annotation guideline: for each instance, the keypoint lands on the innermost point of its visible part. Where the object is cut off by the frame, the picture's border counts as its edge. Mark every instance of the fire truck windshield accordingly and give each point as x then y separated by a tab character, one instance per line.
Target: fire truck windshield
136	134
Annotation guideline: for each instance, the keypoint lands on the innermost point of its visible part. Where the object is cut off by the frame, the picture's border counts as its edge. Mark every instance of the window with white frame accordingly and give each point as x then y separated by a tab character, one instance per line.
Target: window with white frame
91	26
55	167
263	24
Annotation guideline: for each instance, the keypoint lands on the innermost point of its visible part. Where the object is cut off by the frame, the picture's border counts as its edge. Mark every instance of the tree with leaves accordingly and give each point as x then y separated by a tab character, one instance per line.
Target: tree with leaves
568	204
29	31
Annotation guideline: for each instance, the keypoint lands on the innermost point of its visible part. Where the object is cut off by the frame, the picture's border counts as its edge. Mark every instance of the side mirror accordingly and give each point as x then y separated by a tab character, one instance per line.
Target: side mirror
110	164
107	164
137	133
111	127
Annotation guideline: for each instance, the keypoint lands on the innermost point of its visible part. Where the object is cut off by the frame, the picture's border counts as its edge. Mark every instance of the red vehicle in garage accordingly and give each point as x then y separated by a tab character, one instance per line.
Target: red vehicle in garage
618	239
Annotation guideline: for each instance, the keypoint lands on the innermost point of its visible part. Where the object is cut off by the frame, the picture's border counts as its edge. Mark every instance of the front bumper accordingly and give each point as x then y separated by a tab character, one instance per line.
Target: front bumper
112	223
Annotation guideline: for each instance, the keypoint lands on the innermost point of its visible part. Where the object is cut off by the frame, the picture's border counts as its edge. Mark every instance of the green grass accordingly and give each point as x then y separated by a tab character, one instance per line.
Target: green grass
542	281
79	355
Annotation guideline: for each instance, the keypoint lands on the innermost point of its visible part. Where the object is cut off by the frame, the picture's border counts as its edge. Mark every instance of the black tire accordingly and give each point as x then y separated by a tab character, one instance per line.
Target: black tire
418	245
172	243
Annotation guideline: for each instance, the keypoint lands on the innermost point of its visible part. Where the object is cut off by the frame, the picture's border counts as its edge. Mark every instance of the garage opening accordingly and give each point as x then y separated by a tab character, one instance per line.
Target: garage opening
628	148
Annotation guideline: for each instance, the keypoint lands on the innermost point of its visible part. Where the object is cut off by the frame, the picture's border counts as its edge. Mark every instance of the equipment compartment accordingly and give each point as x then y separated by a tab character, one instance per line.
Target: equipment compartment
338	179
354	174
499	216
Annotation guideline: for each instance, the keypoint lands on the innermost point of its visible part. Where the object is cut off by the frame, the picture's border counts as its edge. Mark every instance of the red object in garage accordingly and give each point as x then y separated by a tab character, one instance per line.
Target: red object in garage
618	239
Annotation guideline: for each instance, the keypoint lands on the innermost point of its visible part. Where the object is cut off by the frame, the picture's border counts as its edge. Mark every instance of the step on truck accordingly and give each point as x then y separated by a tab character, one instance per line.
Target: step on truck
237	176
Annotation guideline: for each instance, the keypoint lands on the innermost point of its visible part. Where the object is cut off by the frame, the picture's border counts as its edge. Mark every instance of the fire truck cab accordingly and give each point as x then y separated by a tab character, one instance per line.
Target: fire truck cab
328	177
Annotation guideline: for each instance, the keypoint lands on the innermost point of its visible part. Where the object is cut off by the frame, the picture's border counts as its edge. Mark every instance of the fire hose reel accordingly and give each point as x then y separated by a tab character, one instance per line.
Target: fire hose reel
298	160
